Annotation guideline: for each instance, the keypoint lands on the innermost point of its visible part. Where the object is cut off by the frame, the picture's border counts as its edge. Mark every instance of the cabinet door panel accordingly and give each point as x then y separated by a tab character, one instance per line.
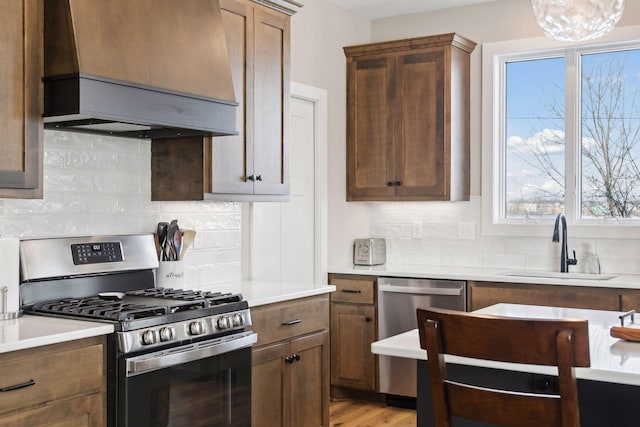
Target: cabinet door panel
21	69
422	159
270	386
86	411
483	294
310	386
370	155
271	93
352	332
232	156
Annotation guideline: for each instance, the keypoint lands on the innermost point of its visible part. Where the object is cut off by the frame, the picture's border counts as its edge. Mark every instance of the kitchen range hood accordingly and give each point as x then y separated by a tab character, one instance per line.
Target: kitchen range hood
137	68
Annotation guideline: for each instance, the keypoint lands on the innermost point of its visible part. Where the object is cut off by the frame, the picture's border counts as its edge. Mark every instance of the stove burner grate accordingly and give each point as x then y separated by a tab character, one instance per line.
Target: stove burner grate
98	308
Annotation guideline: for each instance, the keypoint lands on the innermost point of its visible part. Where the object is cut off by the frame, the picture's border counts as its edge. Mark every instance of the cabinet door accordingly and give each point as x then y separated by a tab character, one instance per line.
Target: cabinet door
21	70
232	156
484	294
85	411
353	329
271	386
370	150
422	155
271	102
309	381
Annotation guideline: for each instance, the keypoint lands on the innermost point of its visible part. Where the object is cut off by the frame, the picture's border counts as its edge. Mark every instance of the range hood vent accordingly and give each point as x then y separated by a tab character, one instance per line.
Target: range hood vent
140	69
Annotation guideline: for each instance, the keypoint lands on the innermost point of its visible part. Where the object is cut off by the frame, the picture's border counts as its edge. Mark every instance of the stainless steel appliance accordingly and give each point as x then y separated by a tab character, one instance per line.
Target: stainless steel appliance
372	251
177	357
398	299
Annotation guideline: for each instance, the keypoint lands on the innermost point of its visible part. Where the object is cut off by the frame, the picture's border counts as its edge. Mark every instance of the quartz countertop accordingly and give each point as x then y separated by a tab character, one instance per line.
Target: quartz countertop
264	292
33	331
491	275
612	360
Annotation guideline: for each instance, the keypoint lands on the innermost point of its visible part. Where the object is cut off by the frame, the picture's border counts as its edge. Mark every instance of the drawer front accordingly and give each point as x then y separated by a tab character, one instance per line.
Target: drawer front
56	375
281	321
352	290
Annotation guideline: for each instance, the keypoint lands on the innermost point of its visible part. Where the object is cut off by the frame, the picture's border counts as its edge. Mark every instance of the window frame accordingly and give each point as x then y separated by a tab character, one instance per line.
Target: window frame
494	57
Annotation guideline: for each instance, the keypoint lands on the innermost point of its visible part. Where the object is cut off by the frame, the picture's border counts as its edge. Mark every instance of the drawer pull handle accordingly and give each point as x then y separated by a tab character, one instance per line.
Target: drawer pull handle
291	322
18	386
352	291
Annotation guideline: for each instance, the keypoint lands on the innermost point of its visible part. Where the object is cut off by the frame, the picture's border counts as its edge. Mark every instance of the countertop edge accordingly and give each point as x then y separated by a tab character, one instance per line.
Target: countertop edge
258	301
498	275
76	331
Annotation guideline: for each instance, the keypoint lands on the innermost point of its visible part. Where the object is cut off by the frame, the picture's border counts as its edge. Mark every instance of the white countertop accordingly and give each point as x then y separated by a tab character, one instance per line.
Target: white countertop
612	360
34	331
261	292
486	275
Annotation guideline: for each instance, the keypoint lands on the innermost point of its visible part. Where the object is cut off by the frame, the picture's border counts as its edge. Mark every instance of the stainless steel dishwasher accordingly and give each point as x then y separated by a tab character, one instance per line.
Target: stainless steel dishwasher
398	299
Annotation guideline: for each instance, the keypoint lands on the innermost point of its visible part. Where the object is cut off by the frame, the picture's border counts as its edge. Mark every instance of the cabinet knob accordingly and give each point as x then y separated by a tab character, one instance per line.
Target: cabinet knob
251	178
389	184
296	357
367	319
259	178
398	183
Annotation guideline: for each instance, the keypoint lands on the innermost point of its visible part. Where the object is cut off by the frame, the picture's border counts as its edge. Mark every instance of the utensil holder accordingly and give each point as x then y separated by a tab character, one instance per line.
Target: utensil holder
7	315
170	274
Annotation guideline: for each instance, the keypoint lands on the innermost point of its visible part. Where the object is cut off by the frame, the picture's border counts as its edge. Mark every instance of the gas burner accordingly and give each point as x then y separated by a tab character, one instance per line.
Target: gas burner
208	298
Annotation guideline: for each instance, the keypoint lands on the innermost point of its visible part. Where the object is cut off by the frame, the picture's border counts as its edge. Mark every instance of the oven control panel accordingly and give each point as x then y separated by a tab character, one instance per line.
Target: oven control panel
96	252
183	331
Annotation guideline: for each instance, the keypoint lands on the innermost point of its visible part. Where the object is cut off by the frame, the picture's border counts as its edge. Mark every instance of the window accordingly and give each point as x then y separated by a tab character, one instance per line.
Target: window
564	135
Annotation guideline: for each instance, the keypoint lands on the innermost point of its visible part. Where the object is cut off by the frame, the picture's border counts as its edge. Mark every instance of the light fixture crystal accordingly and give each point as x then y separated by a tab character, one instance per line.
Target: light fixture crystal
577	20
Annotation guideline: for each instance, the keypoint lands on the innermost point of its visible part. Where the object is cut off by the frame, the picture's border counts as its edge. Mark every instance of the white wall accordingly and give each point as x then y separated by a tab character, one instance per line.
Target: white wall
101	185
317	59
318	33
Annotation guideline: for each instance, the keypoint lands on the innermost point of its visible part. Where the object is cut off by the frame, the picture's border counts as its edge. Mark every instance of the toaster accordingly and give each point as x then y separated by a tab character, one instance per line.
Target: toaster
369	251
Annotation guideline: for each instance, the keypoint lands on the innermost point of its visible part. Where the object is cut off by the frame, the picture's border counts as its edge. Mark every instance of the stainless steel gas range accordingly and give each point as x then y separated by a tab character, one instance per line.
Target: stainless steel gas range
177	357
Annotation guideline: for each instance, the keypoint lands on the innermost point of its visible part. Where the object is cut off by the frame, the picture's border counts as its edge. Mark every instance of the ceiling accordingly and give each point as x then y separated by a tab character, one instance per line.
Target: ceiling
375	9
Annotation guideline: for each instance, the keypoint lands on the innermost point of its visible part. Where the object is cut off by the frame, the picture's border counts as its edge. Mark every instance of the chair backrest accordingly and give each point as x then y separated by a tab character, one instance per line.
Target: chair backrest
563	343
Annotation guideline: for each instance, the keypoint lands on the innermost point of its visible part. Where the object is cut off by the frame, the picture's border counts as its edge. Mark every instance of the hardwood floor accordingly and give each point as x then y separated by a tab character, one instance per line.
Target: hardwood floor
353	413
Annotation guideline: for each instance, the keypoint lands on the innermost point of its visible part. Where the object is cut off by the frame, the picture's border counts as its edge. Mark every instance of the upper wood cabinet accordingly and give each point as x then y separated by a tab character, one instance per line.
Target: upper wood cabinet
253	165
408	119
21	70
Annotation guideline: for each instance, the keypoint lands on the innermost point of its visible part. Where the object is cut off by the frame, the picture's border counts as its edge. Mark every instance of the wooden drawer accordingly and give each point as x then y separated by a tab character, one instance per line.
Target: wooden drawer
285	320
353	290
57	371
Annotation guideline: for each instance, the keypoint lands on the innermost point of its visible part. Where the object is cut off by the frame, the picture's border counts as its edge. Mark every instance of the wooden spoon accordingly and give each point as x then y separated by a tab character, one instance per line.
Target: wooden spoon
188	236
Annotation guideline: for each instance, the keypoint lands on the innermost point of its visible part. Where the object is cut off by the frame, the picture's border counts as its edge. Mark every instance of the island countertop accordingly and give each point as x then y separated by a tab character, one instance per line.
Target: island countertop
612	360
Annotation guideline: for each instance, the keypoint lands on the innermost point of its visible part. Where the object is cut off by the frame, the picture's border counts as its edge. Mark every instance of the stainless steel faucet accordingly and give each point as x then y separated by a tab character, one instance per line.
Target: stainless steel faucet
565	261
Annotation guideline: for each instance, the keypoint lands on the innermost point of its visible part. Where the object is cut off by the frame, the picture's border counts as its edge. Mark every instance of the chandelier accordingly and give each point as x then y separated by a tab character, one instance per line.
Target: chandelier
577	20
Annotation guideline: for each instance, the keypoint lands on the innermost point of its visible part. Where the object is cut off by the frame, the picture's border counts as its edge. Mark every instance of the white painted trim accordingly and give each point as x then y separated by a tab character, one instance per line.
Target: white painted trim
319	98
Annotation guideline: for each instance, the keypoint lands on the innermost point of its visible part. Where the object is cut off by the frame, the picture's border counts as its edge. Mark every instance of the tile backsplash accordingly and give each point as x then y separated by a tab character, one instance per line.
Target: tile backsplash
448	234
102	185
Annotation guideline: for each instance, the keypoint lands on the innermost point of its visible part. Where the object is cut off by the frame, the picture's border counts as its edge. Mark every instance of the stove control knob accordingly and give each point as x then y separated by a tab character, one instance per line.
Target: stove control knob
196	328
167	334
148	337
224	322
238	320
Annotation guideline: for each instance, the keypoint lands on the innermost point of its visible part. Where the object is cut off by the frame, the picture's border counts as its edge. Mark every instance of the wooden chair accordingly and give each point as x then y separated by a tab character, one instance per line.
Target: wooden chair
561	343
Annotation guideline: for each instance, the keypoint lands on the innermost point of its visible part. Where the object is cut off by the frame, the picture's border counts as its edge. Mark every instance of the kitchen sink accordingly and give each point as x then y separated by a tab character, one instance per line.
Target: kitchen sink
558	275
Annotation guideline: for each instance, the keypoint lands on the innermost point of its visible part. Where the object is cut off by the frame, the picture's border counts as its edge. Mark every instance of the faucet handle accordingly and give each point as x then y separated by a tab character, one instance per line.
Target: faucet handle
573	261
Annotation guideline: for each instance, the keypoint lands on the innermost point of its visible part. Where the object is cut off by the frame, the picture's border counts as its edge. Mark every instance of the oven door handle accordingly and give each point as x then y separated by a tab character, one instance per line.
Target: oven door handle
453	291
164	359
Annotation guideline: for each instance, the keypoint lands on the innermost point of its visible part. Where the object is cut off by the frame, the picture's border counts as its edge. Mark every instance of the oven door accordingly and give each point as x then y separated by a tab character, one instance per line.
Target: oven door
200	384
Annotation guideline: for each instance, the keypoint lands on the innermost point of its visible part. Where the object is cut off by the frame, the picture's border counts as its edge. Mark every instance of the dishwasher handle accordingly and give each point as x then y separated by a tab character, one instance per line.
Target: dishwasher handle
452	291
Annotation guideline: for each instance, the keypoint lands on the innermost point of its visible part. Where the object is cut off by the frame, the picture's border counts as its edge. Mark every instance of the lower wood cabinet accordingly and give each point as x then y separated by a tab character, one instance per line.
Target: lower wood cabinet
354	368
290	375
42	385
483	294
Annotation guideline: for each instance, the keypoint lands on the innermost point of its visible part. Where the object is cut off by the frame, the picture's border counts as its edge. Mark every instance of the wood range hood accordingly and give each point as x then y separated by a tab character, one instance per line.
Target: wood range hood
140	69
